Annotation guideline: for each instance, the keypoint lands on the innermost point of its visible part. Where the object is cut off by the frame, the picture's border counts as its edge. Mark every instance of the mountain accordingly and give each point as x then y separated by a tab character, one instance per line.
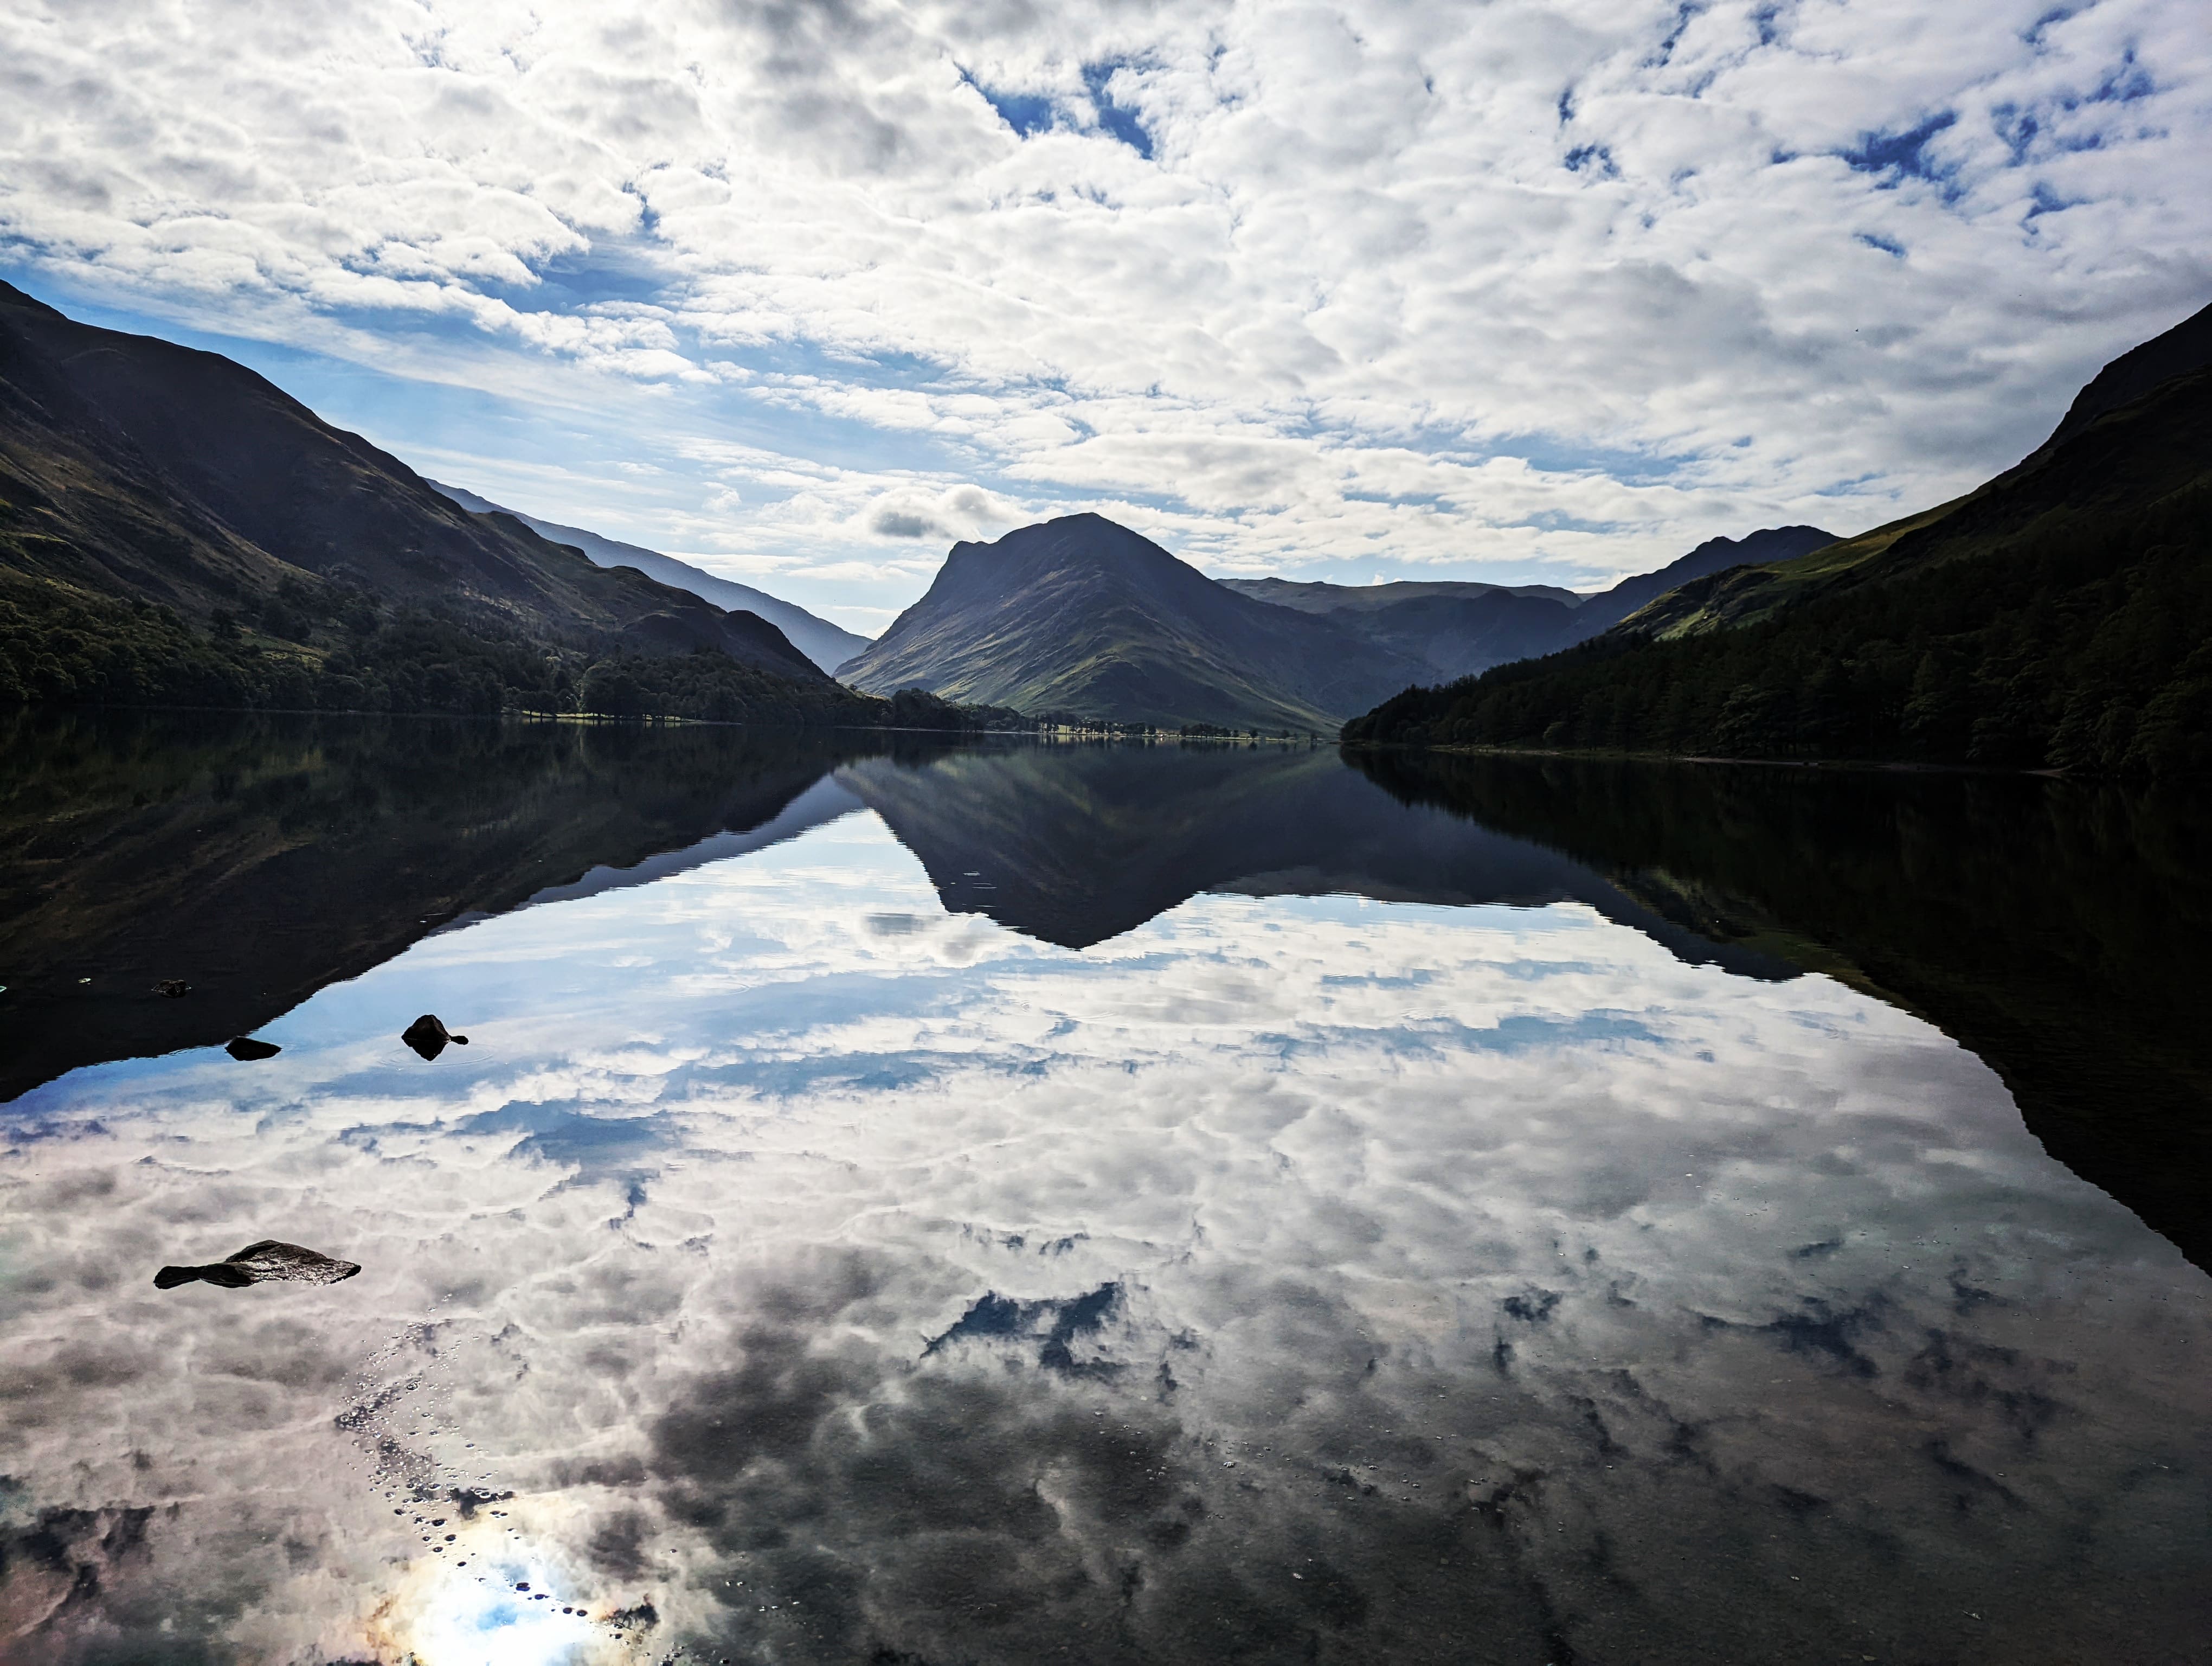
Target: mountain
1456	629
2058	616
1310	596
1715	555
2181	351
827	645
176	530
1083	618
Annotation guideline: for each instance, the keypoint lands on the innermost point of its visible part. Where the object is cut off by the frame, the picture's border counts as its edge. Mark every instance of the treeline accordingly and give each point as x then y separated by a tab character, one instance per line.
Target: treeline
304	649
2084	645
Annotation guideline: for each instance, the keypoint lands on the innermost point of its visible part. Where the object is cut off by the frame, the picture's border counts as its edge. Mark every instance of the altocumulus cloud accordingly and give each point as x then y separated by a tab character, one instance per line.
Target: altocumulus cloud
1551	290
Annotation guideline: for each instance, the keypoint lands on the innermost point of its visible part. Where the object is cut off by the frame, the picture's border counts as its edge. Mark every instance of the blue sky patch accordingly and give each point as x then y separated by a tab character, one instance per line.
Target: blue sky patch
1902	155
1118	120
1027	113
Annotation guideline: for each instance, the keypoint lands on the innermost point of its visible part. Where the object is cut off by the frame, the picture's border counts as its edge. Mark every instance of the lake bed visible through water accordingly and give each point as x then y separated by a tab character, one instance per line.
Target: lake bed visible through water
1120	1204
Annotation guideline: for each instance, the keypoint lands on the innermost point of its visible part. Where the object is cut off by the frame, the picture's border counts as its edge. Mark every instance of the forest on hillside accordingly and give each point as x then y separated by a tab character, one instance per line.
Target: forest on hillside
2071	639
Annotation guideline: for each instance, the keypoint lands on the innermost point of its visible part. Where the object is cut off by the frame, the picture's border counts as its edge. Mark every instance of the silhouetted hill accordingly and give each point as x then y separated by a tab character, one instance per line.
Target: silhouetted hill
1715	555
1456	629
1081	618
2057	617
2180	351
827	645
174	529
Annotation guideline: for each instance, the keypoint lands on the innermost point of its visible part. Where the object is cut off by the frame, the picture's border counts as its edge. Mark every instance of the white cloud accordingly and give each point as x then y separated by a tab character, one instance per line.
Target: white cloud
1693	271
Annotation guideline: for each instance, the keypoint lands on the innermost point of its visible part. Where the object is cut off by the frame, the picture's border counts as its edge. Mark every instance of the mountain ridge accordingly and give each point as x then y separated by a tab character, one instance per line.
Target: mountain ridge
1082	617
827	645
1458	628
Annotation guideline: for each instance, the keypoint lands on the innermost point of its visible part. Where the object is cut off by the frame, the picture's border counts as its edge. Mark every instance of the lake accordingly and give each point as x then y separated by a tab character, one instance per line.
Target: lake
1116	1203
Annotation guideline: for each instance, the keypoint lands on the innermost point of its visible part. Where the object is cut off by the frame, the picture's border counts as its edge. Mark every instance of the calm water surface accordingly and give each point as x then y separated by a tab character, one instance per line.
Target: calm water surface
1091	1204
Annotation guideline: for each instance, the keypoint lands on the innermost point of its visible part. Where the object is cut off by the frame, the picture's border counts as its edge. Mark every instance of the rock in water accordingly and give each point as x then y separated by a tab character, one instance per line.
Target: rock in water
428	1037
243	1048
264	1262
172	987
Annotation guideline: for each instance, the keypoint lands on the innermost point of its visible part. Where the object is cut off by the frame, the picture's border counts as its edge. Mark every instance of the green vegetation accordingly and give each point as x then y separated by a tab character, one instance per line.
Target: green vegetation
312	647
2059	618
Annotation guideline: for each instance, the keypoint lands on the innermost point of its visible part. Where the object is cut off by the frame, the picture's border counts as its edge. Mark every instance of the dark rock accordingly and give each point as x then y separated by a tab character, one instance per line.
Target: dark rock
265	1263
245	1047
172	987
428	1037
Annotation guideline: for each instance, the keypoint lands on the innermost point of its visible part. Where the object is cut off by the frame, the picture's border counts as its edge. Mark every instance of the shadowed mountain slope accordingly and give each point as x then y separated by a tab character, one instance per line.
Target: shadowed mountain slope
134	467
827	645
1081	618
2180	351
2058	616
176	530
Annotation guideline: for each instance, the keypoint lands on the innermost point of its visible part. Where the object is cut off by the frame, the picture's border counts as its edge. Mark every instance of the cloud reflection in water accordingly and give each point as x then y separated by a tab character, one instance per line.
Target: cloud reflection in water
1287	1278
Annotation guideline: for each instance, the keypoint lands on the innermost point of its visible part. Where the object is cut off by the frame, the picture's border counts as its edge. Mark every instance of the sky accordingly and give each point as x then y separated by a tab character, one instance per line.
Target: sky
804	292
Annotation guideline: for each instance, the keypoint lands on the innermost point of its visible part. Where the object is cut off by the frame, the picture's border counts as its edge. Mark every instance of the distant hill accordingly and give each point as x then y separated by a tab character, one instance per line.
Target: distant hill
2058	616
1455	628
1715	555
1082	617
1312	596
827	645
1447	628
176	530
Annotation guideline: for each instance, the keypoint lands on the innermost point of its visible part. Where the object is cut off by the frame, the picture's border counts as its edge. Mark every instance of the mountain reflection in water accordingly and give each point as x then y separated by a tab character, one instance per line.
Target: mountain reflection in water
1106	1204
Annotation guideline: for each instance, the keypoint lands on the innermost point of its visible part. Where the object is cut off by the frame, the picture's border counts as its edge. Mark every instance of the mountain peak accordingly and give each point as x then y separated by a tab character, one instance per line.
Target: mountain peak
1080	616
2180	351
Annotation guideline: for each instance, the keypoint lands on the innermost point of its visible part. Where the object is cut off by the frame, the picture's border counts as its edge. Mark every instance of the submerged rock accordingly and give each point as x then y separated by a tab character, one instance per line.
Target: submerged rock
171	987
243	1048
428	1037
265	1263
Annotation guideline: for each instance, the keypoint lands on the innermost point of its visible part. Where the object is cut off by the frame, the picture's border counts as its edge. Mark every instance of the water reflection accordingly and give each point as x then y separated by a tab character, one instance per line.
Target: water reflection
798	1266
257	859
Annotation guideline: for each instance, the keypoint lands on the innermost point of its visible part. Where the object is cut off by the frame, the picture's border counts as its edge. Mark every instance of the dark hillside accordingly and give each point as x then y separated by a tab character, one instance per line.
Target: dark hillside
2061	616
174	528
827	645
2181	351
1715	555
